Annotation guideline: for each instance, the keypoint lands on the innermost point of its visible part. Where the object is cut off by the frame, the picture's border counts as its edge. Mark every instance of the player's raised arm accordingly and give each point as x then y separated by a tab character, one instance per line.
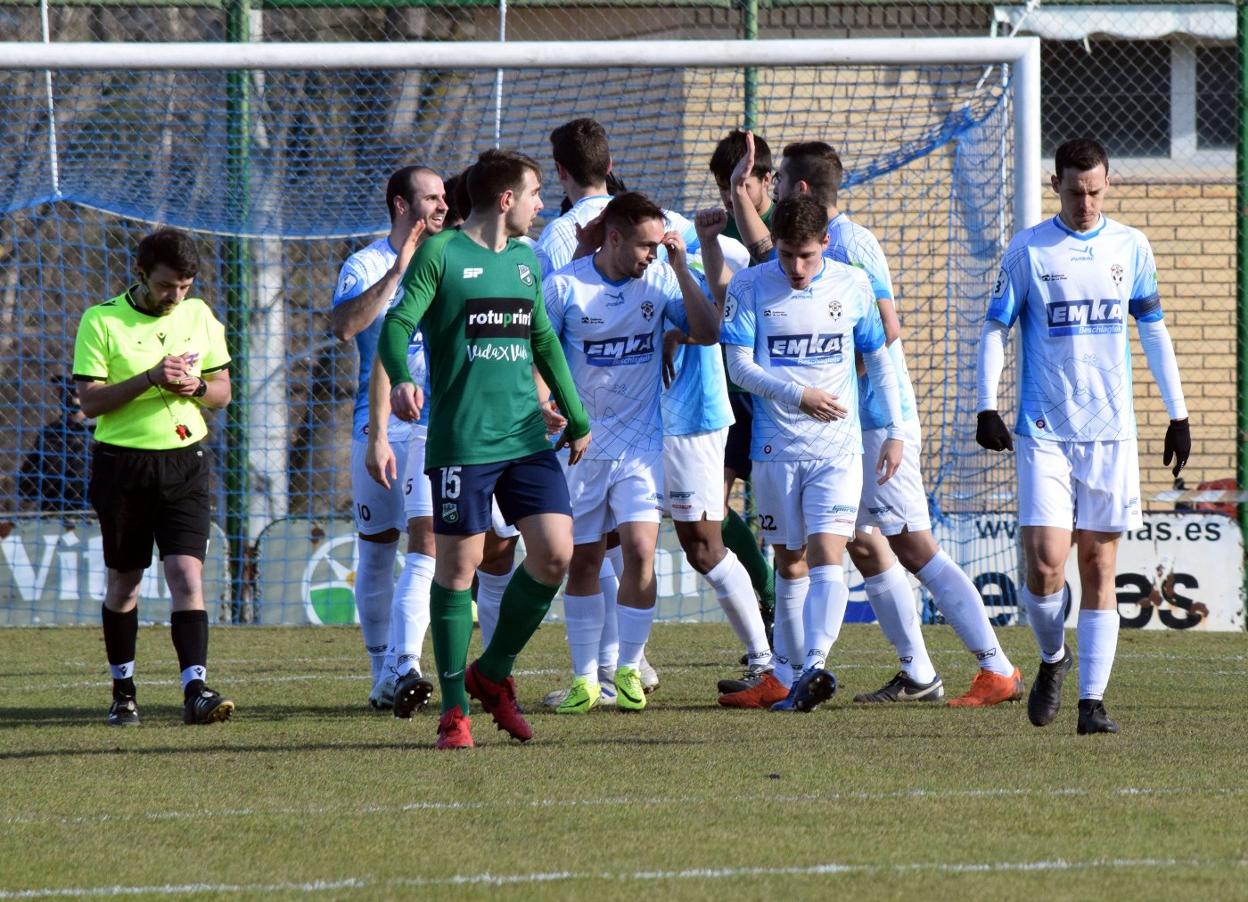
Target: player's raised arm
353	313
710	225
754	232
703	316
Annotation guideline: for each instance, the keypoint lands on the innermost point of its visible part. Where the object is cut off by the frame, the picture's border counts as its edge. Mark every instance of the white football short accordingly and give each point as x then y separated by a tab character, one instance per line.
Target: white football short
1079	485
606	493
800	498
498	525
900	503
417	490
376	509
693	471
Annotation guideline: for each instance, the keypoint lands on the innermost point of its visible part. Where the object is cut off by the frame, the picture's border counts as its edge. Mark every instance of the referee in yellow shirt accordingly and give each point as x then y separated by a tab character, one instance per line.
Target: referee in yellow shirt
145	362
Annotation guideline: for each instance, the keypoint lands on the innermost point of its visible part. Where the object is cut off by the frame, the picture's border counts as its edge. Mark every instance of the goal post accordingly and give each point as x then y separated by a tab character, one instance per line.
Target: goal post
275	156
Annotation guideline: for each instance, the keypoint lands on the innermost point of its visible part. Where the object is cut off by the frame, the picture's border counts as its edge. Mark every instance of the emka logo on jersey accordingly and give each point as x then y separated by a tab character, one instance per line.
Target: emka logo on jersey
624	351
498	318
805	350
1085	317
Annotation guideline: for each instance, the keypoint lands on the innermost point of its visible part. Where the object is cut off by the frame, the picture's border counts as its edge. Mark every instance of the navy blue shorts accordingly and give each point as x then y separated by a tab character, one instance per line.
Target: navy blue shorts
737	451
525	486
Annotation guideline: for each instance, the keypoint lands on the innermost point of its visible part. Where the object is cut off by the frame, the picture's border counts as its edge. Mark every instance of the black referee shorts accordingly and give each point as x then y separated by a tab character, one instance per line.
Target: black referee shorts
145	496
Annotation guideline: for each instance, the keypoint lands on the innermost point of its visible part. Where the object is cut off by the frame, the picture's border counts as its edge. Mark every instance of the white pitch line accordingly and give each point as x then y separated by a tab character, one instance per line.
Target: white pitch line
697	874
918	794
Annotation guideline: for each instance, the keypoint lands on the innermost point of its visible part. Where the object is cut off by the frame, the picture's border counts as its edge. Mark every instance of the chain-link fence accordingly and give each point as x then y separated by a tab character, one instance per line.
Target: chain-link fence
1158	84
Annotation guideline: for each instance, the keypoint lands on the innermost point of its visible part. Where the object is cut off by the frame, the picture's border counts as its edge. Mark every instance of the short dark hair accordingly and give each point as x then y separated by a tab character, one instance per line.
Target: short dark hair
497	171
580	147
818	165
402	184
458	206
799	218
730	150
1081	155
172	247
630	209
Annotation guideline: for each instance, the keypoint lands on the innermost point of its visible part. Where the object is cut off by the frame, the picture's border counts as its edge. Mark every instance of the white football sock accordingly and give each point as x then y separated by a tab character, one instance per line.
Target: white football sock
893	603
608	578
1097	635
824	612
959	601
584	614
490	589
634	632
788	630
735	593
374	592
1044	614
410	615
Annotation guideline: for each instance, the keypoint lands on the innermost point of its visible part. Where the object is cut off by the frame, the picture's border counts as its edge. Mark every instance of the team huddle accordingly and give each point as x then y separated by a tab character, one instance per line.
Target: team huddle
633	363
759	340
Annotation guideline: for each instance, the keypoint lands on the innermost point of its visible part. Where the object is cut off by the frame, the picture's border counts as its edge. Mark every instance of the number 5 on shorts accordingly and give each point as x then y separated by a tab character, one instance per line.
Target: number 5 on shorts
450	482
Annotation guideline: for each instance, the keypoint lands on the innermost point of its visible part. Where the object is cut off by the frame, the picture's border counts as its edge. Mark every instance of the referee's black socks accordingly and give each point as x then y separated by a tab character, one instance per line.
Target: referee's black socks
190	641
121	632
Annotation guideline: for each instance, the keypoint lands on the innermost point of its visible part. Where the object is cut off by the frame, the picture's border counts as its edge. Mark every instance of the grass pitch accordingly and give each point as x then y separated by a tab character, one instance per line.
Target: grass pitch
307	790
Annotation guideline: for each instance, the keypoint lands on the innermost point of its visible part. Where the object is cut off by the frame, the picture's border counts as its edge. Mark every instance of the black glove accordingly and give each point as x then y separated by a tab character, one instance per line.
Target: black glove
990	432
1178	445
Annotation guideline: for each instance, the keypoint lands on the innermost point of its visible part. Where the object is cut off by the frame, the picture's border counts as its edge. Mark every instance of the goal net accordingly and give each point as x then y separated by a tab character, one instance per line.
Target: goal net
276	156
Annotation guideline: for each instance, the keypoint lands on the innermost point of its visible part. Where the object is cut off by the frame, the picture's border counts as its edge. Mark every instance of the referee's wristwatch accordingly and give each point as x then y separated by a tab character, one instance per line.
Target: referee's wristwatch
200	390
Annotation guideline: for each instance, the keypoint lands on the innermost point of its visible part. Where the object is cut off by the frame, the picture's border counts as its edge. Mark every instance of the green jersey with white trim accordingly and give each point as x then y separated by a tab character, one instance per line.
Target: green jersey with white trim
485	328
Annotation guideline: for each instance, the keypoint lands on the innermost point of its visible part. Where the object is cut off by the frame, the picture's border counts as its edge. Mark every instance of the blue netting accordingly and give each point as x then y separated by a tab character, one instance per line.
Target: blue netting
927	155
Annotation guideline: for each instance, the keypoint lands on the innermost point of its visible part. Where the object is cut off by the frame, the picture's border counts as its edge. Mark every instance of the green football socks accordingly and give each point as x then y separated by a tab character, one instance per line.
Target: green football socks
524	605
450	623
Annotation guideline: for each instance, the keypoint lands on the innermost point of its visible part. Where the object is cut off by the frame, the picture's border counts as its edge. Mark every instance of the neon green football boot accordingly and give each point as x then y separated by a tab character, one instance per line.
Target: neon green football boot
583	695
629	694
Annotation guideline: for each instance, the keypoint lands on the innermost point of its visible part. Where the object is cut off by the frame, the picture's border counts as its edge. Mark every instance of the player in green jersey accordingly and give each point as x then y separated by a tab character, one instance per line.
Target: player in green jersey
475	293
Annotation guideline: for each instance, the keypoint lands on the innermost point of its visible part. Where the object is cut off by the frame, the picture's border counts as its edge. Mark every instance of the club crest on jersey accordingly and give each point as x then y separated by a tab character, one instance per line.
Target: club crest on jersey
1085	317
1115	273
834	309
805	350
647	310
622	351
526	274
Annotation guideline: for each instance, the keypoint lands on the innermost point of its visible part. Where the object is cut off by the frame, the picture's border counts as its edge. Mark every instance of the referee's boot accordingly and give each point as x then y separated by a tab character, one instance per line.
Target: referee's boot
123	712
1093	719
207	706
1045	698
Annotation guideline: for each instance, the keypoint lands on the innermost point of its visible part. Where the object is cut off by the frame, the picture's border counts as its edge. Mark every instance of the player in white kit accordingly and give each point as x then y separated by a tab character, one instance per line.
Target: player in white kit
1070	283
368	286
893	518
582	159
610	310
696	417
792	327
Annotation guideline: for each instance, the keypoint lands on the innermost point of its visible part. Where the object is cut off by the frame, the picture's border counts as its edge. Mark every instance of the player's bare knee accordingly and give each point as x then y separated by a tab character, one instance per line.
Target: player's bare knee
122	592
420	536
913	549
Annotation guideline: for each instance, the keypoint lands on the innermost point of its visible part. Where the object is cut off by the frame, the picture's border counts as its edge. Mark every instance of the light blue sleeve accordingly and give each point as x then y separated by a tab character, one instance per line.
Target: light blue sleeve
686	229
869	329
674	302
554	294
1145	303
1009	292
352	282
871	260
552	249
739	315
